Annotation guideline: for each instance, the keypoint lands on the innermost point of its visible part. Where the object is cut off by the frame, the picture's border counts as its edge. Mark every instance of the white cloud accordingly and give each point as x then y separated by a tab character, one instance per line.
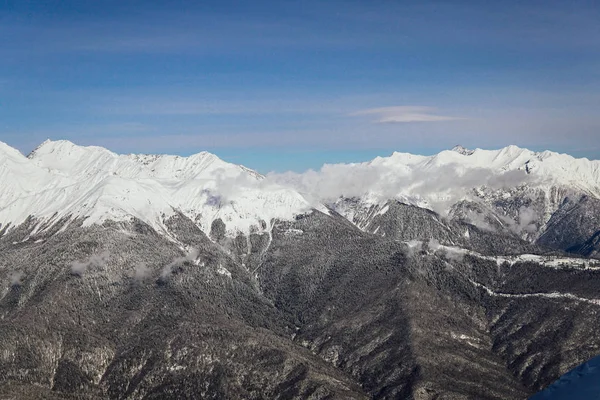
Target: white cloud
142	272
437	189
401	114
96	261
15	278
167	270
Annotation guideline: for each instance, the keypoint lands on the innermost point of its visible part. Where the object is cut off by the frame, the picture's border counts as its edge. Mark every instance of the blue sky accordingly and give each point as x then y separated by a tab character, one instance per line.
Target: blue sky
280	85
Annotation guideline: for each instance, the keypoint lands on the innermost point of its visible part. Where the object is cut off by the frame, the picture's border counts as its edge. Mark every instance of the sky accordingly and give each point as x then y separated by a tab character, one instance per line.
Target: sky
290	85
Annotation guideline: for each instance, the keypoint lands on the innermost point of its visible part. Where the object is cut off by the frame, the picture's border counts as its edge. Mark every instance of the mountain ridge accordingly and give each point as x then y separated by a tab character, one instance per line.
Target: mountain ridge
140	276
97	184
512	189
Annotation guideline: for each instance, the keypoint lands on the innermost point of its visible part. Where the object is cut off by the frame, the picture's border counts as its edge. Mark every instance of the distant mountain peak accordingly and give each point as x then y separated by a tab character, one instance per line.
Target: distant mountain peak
60	179
462	150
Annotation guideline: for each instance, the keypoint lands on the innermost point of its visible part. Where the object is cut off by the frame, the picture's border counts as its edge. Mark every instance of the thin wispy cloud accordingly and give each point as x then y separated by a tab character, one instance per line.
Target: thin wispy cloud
403	114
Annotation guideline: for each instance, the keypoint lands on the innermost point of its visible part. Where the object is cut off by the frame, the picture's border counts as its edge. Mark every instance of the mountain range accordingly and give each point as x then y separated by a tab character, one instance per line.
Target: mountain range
469	274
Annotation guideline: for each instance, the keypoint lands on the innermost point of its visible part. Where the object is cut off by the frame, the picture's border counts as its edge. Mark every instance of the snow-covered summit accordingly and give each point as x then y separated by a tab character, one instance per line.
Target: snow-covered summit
462	150
441	180
60	179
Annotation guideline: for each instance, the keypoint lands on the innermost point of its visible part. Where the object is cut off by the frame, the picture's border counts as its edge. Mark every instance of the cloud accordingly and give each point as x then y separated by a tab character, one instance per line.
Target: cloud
15	278
141	272
434	245
479	219
525	222
437	189
335	180
248	185
527	219
97	260
450	253
167	270
402	114
228	187
412	247
454	254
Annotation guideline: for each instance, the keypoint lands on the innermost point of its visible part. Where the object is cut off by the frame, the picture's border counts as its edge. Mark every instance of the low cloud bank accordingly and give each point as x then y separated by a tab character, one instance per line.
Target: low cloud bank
439	187
227	188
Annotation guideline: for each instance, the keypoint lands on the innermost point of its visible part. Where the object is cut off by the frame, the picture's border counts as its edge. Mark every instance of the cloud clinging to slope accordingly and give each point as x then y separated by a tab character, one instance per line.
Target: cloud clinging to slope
402	114
96	260
440	188
167	270
141	272
15	278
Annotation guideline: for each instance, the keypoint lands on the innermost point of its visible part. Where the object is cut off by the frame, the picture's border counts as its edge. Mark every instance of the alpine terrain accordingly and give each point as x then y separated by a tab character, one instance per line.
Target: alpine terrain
470	274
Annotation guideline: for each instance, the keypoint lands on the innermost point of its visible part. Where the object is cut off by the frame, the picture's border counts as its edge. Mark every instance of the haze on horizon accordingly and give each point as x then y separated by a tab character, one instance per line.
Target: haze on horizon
291	85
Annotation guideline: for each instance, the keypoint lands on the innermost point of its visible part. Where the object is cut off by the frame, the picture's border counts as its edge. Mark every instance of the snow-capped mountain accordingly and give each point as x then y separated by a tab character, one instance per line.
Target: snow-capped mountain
156	276
514	189
62	180
441	180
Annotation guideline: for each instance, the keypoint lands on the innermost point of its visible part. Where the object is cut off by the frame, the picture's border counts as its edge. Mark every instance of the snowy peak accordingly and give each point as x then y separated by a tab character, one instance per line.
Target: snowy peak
544	167
513	185
96	184
66	151
20	178
9	153
197	166
61	179
68	158
461	150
